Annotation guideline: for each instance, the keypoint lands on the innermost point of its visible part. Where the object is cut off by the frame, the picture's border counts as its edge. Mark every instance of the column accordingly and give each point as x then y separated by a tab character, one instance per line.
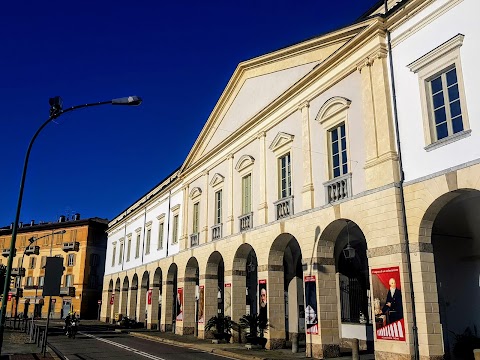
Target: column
184	238
263	205
167	306
307	189
210	283
229	230
132	303
153	308
204	238
276	306
238	299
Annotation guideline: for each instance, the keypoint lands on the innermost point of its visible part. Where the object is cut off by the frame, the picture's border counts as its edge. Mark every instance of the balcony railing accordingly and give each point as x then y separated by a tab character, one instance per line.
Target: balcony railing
339	188
246	221
71	246
67	291
284	207
194	239
217	231
6	252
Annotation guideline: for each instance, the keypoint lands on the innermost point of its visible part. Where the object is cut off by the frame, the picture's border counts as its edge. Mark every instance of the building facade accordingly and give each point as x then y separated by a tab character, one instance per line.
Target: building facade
292	202
83	269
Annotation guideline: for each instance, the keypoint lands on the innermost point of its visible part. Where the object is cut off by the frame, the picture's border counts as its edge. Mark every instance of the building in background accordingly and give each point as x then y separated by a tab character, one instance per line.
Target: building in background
84	268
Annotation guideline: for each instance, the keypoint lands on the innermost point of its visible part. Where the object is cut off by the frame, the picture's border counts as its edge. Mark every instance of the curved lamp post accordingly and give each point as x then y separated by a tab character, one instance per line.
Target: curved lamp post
56	110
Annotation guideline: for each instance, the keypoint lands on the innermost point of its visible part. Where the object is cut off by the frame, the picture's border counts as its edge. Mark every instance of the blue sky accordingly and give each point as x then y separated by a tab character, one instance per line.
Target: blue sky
177	55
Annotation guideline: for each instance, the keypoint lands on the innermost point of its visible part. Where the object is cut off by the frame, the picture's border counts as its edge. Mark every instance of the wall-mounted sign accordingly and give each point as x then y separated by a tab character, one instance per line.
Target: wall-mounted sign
263	306
112	299
311	317
180	304
149	297
227	303
201	304
387	304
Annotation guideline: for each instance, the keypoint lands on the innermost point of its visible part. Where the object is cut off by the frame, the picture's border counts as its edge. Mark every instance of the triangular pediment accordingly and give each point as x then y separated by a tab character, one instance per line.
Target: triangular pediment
261	83
281	140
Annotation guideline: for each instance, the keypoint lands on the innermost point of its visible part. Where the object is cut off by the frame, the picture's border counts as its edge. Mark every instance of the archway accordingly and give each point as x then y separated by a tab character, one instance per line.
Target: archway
244	289
124	299
190	313
353	284
116	300
109	302
132	300
156	299
452	223
286	309
142	302
172	306
211	299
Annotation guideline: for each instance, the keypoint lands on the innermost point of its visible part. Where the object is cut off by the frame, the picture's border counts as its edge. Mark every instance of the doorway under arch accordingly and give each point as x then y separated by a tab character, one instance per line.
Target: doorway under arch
211	301
142	302
190	306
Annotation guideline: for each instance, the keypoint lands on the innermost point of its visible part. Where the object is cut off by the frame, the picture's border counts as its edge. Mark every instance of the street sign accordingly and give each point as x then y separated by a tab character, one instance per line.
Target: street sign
53	276
99	302
54	300
9	296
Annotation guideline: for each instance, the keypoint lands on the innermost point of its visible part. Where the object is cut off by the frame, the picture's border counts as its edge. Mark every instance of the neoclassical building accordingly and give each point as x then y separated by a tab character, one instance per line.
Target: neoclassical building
294	201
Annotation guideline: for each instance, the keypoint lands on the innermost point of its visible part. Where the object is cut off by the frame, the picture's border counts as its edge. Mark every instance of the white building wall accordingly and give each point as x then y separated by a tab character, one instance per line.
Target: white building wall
422	33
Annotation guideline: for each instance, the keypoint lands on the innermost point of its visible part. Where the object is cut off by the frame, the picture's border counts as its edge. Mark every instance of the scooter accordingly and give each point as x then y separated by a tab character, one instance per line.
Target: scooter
72	328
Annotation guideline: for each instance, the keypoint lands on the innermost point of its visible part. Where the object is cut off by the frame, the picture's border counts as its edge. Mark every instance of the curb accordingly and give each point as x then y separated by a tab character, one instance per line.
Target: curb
200	347
56	354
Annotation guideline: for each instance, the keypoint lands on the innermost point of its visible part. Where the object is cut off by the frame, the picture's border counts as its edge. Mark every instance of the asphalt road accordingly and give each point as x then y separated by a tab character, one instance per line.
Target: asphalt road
92	344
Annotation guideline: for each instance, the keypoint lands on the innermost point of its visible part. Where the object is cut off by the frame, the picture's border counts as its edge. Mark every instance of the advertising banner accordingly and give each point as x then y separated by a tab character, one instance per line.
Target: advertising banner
387	304
149	297
112	299
311	318
201	304
180	304
227	304
262	290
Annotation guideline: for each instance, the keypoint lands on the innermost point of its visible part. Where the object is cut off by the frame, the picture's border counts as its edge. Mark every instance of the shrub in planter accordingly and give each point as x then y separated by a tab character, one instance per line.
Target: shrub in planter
257	327
221	325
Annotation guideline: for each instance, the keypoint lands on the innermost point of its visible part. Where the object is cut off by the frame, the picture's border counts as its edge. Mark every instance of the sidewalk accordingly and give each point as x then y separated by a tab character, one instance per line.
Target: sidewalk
236	351
16	347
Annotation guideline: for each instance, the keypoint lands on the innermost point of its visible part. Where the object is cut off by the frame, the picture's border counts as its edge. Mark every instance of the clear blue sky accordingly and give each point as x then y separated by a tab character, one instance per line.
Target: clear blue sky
177	55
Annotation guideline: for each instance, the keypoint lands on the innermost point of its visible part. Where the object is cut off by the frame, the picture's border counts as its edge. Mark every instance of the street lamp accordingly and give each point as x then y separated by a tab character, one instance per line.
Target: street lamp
56	110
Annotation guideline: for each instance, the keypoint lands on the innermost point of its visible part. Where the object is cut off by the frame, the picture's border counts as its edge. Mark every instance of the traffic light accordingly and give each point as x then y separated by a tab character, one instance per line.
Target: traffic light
3	272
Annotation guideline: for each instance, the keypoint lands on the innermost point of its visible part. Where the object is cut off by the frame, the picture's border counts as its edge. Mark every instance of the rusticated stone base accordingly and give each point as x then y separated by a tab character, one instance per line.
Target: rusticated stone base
363	344
433	357
383	355
275	344
319	351
188	330
166	327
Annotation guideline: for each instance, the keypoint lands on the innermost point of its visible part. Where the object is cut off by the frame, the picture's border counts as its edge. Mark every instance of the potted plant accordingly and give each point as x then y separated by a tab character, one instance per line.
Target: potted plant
221	325
256	326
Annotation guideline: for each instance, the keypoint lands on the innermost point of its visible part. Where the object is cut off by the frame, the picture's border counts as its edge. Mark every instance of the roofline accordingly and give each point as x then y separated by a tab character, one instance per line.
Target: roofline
55	225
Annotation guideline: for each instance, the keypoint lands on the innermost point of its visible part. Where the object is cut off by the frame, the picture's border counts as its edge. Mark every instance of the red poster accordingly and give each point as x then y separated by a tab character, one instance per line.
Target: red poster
201	304
179	304
112	299
388	304
311	317
9	296
228	285
149	297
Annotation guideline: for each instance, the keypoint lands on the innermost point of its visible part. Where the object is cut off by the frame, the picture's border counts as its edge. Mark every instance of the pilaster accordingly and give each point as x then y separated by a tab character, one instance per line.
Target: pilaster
307	188
230	220
262	206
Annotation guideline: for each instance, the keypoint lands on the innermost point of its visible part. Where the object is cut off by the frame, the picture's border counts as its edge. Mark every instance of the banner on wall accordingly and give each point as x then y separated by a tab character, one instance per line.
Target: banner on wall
149	297
201	304
227	299
311	317
387	304
180	304
263	306
112	299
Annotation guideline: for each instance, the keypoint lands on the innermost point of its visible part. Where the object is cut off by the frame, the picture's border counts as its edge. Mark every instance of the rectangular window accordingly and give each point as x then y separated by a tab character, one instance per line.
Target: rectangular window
148	240
175	230
113	255
69	281
71	260
32	263
20	262
43	262
218	207
195	217
41	281
338	147
446	110
129	248
160	236
120	257
137	250
284	176
29	281
247	194
58	239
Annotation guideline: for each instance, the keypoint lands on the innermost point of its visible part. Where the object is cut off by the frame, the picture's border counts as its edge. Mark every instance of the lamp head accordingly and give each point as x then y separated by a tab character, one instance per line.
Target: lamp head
129	100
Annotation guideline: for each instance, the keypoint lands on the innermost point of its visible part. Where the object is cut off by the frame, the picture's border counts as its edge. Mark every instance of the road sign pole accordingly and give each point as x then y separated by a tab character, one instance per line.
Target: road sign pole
46	327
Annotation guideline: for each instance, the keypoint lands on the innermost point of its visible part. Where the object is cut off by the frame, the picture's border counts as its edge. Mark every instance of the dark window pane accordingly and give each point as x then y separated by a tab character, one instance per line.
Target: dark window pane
455	109
342	130
334	135
436	85
451	77
440	115
453	93
438	100
336	159
335	147
344	157
457	124
442	131
344	143
345	169
336	172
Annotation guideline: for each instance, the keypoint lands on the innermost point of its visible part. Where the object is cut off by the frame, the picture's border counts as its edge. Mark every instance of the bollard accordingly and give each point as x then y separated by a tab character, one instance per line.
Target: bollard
355	349
294	343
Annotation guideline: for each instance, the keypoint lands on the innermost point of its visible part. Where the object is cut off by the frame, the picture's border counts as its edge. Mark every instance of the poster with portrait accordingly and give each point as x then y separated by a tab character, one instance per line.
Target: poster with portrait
388	304
227	309
262	309
311	314
201	304
179	304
